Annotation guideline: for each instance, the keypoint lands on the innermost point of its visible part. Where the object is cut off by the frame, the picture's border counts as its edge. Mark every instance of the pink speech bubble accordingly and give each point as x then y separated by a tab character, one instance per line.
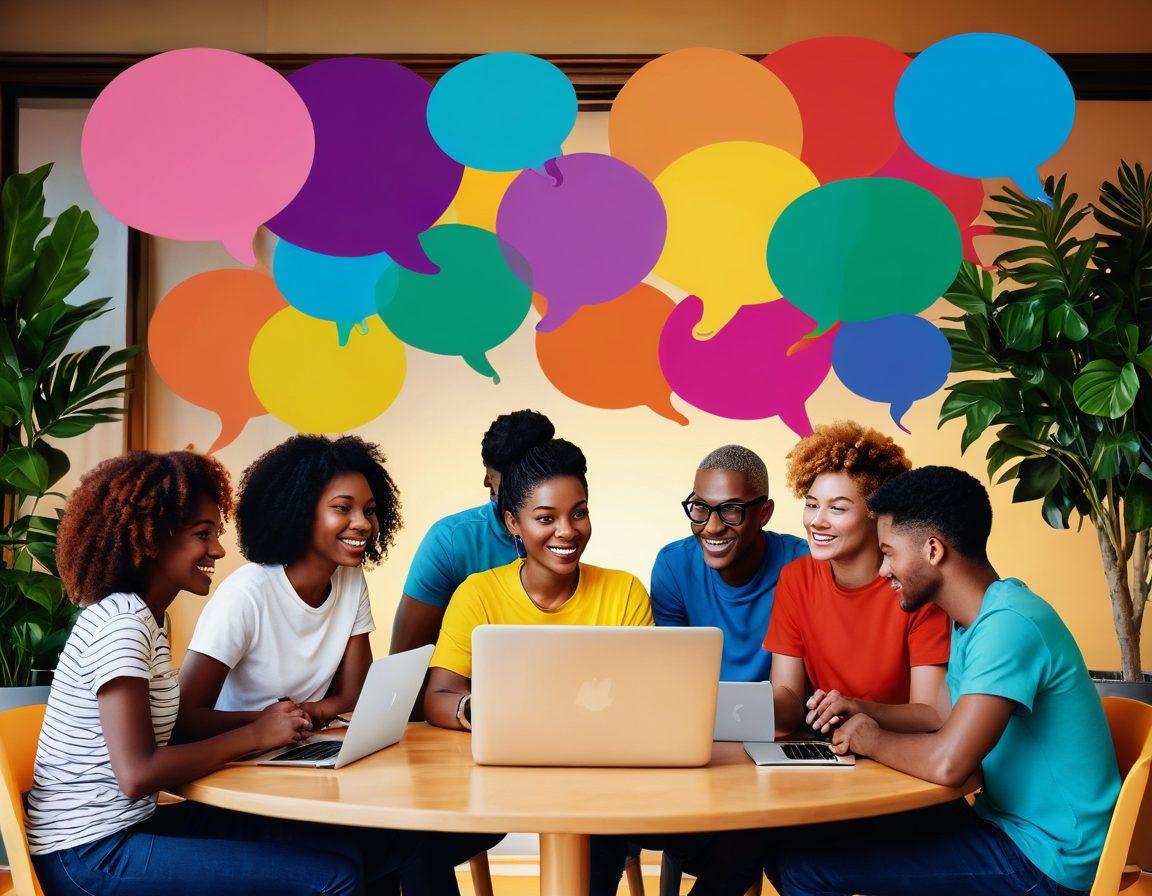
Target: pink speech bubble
198	144
744	372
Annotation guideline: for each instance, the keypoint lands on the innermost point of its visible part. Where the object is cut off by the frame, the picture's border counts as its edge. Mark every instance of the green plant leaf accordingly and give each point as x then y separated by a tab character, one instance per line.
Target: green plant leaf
1038	477
1112	451
1144	359
1106	389
24	470
1138	503
57	461
63	261
1021	325
21	223
1057	508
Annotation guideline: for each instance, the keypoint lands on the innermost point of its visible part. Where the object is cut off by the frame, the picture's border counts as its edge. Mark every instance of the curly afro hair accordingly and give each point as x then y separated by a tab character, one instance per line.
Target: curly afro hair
869	457
540	463
942	500
279	491
121	513
510	435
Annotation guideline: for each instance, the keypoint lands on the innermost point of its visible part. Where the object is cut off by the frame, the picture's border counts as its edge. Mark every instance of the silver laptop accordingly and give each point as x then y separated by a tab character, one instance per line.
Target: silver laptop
763	748
569	695
381	715
744	711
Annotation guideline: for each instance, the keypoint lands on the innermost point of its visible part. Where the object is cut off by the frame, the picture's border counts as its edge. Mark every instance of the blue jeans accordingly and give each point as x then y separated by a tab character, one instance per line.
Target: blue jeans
191	849
944	850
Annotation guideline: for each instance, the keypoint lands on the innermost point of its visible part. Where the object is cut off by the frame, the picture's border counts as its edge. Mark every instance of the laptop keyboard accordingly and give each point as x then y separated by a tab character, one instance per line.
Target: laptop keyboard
808	751
324	749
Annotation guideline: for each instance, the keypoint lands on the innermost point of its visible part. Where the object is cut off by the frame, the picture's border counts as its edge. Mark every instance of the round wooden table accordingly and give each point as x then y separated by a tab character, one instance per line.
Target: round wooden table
429	782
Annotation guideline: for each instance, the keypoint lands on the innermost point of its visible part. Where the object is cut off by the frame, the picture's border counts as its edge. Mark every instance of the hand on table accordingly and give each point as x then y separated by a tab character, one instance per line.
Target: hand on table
828	709
319	715
855	736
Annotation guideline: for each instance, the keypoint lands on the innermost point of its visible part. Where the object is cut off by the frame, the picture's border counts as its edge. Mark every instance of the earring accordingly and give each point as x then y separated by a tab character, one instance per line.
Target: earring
520	551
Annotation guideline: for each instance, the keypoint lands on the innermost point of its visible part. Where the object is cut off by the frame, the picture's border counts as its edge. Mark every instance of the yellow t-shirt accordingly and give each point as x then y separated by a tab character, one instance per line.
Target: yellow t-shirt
496	597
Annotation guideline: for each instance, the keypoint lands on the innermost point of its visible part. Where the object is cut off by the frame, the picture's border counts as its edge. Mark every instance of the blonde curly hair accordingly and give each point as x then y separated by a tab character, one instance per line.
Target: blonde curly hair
869	457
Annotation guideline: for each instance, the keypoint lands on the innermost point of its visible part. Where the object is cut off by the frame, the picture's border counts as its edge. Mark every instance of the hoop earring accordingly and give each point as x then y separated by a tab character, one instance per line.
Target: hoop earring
520	550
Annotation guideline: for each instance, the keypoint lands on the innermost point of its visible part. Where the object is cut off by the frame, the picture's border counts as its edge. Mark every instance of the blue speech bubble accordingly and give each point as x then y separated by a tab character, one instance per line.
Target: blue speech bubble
329	287
893	360
951	86
502	111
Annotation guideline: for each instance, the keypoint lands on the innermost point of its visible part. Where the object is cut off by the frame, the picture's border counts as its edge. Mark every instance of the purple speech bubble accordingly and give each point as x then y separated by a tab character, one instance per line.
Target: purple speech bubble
590	229
744	372
378	180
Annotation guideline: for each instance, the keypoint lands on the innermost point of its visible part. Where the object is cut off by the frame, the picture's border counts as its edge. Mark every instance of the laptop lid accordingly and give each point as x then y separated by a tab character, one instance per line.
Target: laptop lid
594	695
745	712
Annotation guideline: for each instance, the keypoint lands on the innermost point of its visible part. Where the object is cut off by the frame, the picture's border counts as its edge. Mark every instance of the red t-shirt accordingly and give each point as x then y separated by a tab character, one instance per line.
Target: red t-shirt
854	640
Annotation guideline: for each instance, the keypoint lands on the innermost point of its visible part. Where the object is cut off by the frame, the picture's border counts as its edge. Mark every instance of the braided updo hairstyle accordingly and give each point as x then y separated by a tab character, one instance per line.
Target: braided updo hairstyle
539	463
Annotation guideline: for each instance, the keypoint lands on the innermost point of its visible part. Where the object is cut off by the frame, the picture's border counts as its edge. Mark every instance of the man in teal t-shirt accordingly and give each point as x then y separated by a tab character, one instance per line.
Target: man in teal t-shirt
1024	711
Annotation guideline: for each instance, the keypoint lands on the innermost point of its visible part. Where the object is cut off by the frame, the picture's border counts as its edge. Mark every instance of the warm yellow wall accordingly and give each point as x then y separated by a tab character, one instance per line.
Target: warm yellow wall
640	464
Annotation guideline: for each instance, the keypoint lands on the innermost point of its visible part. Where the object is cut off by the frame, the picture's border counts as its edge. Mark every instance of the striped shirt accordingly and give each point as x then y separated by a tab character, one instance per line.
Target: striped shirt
74	797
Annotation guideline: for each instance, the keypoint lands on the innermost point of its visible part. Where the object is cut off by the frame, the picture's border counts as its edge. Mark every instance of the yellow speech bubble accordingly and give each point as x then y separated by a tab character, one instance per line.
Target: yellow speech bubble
722	202
478	199
304	377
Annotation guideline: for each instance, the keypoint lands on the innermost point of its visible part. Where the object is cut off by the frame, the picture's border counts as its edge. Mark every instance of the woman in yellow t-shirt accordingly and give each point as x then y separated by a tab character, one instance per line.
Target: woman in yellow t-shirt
544	499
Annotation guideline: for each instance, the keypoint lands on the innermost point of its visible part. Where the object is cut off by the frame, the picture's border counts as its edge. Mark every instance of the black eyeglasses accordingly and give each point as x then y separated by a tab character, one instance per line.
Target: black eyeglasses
731	513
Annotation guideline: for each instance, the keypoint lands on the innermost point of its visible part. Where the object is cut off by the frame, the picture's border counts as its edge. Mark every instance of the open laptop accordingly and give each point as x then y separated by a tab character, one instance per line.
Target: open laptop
746	712
381	715
570	695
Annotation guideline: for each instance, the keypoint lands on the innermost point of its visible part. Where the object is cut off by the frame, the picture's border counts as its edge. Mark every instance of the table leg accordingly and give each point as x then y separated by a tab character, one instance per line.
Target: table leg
563	864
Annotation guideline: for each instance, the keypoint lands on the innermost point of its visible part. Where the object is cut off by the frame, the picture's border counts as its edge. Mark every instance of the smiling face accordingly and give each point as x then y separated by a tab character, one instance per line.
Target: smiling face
187	559
344	521
908	564
554	524
733	551
836	518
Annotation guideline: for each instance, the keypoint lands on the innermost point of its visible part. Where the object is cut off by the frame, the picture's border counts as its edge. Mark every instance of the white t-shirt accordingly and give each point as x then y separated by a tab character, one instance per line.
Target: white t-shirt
275	644
74	797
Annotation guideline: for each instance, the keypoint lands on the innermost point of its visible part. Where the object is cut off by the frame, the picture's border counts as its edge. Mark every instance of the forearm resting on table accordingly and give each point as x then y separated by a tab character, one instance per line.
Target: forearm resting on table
906	718
442	699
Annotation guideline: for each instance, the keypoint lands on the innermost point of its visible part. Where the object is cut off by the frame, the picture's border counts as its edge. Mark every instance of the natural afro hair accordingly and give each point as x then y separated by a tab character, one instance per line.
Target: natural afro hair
279	491
942	500
510	435
540	463
122	512
869	457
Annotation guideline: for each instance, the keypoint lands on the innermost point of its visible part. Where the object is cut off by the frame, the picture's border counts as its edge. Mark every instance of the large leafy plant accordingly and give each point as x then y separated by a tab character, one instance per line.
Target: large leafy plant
46	395
1063	330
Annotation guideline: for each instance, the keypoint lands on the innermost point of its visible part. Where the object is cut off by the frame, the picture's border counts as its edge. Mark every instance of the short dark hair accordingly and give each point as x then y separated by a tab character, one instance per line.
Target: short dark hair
540	463
510	435
279	491
944	500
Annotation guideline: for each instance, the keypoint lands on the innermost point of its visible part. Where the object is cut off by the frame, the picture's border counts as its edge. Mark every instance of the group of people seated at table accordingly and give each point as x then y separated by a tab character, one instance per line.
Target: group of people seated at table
887	630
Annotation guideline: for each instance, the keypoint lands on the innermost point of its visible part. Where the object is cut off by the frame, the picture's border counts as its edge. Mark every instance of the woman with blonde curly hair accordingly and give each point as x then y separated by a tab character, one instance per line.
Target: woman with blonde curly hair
840	642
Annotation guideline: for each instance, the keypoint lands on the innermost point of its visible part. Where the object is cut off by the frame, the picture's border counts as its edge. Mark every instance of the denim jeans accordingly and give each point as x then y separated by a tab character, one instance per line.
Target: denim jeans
944	850
194	849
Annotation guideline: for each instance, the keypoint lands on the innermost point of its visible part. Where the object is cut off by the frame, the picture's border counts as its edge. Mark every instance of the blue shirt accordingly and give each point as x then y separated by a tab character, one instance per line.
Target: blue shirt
455	547
687	591
1051	780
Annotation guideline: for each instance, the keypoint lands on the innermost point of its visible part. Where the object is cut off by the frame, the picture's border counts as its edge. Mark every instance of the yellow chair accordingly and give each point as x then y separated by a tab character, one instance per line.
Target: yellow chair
1130	723
19	734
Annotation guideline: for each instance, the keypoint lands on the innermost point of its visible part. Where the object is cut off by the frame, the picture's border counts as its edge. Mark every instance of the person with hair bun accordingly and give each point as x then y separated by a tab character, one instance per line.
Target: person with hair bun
840	645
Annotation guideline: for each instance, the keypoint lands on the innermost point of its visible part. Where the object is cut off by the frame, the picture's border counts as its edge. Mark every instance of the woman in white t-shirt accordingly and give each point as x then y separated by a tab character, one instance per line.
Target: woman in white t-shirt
137	531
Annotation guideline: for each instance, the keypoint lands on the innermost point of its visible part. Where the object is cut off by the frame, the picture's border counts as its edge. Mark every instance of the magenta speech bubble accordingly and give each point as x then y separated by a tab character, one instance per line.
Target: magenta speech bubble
591	228
198	144
744	372
379	179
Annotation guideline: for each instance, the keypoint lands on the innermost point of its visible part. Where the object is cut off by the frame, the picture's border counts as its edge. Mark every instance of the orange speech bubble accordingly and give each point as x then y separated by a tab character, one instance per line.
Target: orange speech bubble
625	370
200	338
696	97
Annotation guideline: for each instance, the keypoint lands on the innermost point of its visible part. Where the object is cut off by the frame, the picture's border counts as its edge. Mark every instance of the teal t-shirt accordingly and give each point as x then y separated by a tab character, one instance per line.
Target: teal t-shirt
455	547
1051	780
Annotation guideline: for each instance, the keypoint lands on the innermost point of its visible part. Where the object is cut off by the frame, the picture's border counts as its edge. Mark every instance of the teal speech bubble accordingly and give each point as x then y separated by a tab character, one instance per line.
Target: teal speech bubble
863	248
473	304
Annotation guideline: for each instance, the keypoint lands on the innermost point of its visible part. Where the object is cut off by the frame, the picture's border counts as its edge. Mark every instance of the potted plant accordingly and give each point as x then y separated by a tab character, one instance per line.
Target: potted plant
1062	335
46	394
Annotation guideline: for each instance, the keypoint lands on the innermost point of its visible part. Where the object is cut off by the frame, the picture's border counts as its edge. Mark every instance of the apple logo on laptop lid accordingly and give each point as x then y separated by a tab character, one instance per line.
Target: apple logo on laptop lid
595	695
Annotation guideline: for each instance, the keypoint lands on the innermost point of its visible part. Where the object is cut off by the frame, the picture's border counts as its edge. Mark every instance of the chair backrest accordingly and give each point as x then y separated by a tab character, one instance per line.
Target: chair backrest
1130	723
19	735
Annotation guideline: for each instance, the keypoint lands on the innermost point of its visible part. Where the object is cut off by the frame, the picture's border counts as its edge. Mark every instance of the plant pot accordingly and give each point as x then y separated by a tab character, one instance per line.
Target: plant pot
42	677
1111	684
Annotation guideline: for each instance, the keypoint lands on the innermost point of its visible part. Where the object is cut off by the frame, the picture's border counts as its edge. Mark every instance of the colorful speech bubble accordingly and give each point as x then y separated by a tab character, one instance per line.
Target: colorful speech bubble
964	196
723	201
329	287
695	97
502	111
474	303
759	378
200	337
198	144
958	80
308	381
893	360
379	179
478	199
590	230
864	248
844	87
624	371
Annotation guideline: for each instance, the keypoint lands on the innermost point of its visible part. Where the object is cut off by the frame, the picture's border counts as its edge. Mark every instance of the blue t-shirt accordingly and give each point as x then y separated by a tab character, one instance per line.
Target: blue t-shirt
687	591
1051	780
455	547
